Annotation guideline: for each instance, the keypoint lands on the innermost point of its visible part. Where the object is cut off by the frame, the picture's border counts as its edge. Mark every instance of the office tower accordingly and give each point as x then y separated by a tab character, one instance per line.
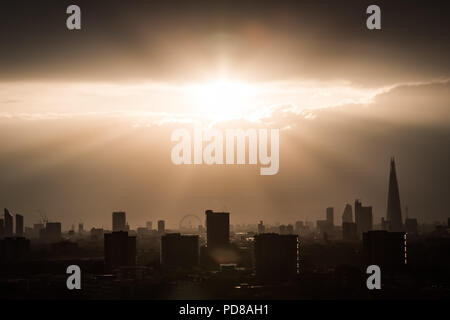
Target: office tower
37	227
347	216
276	256
299	227
385	249
282	229
289	229
120	250
330	216
217	229
2	228
394	211
19	225
149	225
51	232
97	233
363	218
80	228
411	226
119	220
261	227
324	227
161	226
179	250
8	221
349	231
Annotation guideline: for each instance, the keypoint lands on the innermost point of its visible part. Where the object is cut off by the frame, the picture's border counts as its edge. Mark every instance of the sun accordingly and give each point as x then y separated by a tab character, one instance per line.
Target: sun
223	99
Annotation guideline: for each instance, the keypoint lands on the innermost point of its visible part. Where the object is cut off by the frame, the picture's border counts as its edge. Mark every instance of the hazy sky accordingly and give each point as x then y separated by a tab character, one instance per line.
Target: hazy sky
86	116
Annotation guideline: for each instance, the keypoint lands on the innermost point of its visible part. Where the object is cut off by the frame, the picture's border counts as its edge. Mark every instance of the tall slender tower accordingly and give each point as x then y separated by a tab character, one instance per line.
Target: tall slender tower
394	209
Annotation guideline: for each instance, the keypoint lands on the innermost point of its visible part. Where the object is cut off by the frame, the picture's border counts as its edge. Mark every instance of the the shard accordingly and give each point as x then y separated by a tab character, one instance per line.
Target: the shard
394	211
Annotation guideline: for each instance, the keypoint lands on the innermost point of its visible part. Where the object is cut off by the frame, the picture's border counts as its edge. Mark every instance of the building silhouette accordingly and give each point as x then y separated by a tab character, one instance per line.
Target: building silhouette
394	211
330	216
161	226
276	256
349	231
411	226
51	232
217	229
386	249
261	227
8	221
119	221
2	228
179	250
149	225
299	227
120	250
19	225
363	218
347	216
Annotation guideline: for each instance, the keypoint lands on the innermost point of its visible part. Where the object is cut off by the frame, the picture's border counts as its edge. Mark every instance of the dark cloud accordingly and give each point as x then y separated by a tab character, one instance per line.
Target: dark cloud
185	40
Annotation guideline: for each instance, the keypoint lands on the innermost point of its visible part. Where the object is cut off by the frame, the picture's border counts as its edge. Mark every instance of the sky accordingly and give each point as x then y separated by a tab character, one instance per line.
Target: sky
86	116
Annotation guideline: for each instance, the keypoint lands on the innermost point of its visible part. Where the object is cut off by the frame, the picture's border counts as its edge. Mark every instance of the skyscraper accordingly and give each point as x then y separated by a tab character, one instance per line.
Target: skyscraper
120	250
19	225
179	250
385	249
349	231
394	211
363	218
217	229
119	221
2	228
8	220
161	226
276	256
347	216
330	216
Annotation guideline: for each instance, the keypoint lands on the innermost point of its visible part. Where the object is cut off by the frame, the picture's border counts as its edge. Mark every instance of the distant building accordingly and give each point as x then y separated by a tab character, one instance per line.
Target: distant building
8	221
299	227
385	249
161	226
97	233
179	250
363	218
149	225
80	228
261	227
411	226
120	250
394	211
19	225
119	221
2	228
330	216
217	229
349	231
51	232
347	216
283	229
324	227
37	227
276	256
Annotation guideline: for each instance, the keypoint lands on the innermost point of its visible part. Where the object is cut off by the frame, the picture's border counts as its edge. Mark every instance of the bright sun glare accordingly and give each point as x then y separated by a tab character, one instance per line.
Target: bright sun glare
223	99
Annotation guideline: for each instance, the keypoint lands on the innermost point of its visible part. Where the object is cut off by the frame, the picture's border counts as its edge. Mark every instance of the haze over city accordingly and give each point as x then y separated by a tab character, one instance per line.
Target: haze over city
87	116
